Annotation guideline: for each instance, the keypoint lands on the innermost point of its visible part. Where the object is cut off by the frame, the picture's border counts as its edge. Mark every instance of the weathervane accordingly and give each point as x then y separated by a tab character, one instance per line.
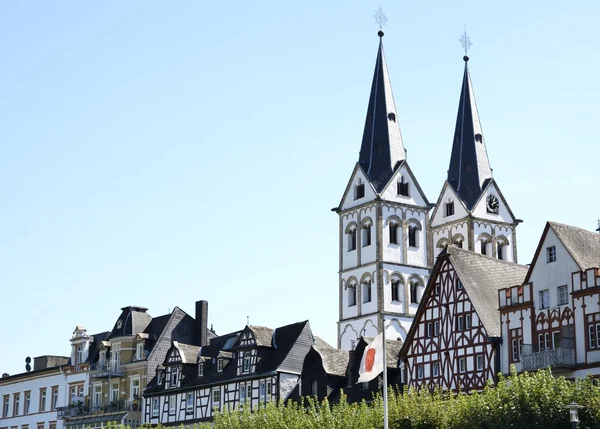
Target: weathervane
465	42
380	19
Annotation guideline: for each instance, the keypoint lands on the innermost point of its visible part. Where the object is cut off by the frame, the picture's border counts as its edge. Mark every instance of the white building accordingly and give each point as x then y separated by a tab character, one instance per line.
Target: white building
553	319
30	399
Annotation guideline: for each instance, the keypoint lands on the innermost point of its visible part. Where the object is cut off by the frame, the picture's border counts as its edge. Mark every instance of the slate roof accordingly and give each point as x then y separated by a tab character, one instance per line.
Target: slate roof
293	342
335	361
188	353
262	335
157	326
94	350
582	245
134	320
469	165
482	277
381	148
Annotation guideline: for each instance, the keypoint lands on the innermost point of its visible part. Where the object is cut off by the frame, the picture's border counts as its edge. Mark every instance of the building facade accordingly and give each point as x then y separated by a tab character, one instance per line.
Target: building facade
553	318
30	400
243	368
384	243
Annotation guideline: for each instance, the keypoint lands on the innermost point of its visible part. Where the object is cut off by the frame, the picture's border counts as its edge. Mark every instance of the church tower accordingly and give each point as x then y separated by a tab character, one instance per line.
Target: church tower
384	230
471	212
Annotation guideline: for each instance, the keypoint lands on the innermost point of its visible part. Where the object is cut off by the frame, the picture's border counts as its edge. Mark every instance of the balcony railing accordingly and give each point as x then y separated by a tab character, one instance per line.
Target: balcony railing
560	357
79	410
107	368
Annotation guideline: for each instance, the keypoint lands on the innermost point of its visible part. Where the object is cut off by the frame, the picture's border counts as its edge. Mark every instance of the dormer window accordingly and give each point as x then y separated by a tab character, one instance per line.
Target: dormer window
220	365
139	351
402	187
160	377
449	208
359	190
200	369
174	376
246	363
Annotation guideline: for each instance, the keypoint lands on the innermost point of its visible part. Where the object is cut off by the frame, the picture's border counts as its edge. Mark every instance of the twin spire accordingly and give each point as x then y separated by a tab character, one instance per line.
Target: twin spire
382	149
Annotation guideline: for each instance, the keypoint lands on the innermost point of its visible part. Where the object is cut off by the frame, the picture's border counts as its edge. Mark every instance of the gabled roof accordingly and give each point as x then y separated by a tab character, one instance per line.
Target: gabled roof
469	164
335	361
482	277
262	335
381	147
187	352
583	245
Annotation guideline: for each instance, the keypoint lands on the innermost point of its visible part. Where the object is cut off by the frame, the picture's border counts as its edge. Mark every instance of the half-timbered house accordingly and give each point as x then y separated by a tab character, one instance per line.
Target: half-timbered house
243	368
553	319
455	339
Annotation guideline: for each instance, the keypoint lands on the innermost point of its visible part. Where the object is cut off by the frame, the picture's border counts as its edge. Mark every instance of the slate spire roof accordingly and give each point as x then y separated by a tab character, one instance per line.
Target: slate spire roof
469	165
381	149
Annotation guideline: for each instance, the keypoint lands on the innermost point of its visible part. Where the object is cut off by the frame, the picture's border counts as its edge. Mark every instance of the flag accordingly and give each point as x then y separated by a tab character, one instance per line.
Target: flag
371	364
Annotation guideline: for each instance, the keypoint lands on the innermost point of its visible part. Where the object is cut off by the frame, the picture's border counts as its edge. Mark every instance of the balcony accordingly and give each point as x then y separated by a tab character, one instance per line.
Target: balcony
560	358
74	411
106	369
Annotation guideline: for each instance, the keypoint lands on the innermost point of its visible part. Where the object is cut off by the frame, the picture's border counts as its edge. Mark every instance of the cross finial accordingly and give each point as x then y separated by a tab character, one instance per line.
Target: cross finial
380	19
465	43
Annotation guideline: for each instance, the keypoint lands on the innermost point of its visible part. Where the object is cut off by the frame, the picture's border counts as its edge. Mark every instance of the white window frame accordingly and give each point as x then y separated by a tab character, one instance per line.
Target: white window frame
435	368
262	391
219	364
216	392
550	254
173	404
155	407
200	369
562	292
139	351
97	389
420	371
462	364
544	299
189	406
246	363
133	388
479	362
242	392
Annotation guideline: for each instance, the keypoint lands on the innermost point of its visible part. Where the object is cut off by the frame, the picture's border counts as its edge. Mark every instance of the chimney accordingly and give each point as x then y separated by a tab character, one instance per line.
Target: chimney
202	323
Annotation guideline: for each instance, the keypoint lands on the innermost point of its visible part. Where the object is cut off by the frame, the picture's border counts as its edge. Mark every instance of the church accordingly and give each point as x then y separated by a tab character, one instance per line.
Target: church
390	234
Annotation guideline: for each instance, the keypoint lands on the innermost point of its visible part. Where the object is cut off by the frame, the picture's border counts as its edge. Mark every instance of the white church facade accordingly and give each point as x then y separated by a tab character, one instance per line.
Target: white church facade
389	233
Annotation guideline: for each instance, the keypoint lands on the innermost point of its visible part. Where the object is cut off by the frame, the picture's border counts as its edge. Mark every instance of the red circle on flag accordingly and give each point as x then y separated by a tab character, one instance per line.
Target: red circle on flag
370	360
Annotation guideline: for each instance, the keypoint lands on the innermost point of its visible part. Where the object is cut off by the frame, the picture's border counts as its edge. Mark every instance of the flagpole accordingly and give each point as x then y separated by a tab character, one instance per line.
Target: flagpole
385	384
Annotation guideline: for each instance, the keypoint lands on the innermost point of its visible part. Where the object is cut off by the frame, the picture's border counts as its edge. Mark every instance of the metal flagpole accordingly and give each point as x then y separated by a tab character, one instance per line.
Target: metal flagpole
385	384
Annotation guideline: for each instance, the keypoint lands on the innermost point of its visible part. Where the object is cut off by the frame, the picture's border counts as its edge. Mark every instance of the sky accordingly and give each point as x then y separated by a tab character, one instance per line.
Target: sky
159	153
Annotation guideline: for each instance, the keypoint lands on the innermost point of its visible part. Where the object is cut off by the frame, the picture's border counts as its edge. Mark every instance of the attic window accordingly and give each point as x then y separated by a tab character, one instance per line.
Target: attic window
450	208
220	365
478	138
402	187
359	190
392	116
200	369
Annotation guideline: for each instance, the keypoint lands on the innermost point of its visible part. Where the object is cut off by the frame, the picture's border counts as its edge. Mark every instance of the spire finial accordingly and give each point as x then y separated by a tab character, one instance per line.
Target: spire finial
465	42
380	19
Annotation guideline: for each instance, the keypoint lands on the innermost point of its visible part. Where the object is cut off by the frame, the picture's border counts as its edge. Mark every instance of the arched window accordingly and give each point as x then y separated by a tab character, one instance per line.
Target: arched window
366	233
416	285
246	364
366	290
397	287
394	227
458	240
351	294
442	243
351	235
484	244
501	246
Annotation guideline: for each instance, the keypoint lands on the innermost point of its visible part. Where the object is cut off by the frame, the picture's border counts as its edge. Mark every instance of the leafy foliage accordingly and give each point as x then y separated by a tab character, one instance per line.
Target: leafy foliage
527	400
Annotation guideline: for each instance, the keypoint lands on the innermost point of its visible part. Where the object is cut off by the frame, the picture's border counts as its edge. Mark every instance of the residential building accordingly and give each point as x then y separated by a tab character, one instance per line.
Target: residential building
119	363
244	368
384	240
553	318
455	341
30	400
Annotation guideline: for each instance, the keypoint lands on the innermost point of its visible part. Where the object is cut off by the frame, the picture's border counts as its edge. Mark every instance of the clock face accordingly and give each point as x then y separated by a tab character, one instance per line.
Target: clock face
492	204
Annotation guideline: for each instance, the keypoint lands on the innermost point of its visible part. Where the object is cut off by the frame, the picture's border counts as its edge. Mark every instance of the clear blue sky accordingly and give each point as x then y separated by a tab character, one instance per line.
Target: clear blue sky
158	153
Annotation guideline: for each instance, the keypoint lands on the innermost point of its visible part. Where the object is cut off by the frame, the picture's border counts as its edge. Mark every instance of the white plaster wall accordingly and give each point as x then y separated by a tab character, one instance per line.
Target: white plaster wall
34	383
459	210
392	252
349	258
396	327
493	230
405	273
390	193
418	255
551	275
348	200
358	275
480	210
368	253
448	232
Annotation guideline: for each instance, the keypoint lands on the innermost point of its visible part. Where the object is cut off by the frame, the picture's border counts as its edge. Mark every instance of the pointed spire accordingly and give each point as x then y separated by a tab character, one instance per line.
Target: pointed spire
381	147
469	164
